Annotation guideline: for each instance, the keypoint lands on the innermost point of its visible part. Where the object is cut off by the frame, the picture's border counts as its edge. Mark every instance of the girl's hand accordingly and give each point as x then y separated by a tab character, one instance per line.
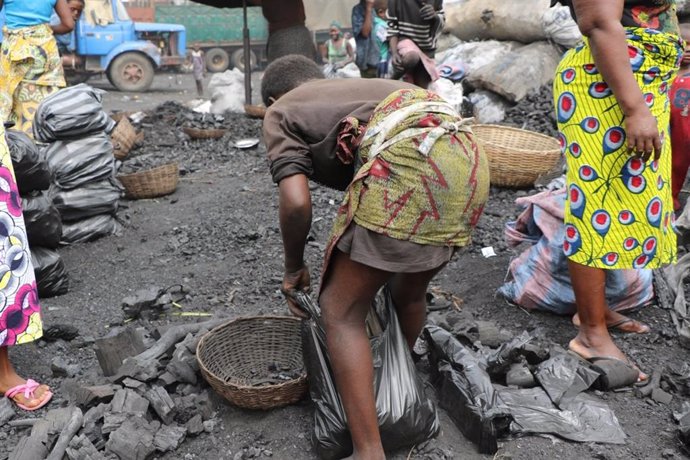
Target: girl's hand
298	280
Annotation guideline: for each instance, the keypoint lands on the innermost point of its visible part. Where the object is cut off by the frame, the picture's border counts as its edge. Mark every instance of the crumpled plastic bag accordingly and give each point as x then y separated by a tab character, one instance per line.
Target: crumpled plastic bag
406	416
80	161
94	198
50	271
560	27
30	167
90	229
42	219
71	113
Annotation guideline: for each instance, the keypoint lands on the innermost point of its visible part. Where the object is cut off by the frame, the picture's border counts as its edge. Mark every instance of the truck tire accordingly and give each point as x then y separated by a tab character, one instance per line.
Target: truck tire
217	60
131	72
238	59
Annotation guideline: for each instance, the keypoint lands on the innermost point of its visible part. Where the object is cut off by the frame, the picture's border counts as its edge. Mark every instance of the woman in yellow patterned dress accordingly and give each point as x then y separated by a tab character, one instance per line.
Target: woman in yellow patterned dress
613	114
30	67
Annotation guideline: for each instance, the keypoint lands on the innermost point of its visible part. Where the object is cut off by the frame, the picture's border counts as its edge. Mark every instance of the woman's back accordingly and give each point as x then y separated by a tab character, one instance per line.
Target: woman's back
26	13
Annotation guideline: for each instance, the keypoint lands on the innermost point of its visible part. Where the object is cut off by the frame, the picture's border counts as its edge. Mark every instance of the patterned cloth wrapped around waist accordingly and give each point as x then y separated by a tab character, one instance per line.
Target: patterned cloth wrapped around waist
424	178
31	54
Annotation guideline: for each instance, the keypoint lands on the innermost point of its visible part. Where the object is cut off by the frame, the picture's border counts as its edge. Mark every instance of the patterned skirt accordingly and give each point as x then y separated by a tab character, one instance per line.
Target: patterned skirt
20	312
619	211
30	70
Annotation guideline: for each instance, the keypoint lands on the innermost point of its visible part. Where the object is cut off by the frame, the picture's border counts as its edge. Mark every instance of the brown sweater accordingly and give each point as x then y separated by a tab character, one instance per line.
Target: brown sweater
300	129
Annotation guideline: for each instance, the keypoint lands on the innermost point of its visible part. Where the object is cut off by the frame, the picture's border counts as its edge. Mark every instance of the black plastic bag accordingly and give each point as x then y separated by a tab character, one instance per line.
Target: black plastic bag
88	200
30	168
89	229
42	219
406	415
81	161
51	275
71	113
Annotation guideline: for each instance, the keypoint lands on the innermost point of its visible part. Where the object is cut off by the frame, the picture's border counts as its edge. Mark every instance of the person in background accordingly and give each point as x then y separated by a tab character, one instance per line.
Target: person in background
381	37
336	51
680	121
413	29
30	67
611	98
66	42
375	139
198	69
367	54
287	32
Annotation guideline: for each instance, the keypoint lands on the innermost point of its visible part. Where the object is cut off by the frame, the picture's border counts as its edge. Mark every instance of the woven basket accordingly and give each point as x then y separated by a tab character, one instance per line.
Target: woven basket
239	352
196	133
152	182
255	111
516	157
117	116
123	137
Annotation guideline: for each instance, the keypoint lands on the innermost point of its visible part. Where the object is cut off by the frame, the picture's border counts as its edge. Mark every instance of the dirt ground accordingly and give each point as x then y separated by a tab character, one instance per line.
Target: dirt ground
218	235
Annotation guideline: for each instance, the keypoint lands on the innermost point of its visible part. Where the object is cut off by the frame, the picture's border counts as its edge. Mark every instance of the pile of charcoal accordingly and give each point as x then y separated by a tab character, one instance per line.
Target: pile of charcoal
535	112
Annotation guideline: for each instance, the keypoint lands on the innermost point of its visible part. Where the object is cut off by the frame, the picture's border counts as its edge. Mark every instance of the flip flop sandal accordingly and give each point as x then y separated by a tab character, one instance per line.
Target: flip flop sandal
643	328
28	389
613	372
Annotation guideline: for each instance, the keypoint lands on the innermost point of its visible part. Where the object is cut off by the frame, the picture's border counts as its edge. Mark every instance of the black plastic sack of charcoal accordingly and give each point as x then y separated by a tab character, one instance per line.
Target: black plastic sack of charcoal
43	223
71	113
51	275
88	200
89	229
465	390
80	161
30	167
406	415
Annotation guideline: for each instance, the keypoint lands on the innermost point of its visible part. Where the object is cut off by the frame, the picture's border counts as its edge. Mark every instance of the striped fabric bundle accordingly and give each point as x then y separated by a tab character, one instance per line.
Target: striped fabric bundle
539	278
71	113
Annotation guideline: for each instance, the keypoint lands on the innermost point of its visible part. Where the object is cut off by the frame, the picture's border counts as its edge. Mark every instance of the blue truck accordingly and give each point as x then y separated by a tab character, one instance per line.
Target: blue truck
106	40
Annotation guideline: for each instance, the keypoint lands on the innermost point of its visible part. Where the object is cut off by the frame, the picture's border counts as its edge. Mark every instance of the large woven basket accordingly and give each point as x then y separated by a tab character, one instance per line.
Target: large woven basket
196	133
235	356
517	157
123	137
152	182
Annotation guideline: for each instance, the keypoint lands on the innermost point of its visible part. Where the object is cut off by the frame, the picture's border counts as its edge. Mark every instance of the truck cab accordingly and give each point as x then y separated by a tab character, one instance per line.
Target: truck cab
107	40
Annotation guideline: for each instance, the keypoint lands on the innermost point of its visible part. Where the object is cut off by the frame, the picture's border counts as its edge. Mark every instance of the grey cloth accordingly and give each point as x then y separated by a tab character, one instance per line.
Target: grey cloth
391	255
293	40
71	113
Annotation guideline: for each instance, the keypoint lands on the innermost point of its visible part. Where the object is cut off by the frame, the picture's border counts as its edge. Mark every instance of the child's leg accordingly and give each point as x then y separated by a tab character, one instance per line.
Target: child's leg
345	299
199	88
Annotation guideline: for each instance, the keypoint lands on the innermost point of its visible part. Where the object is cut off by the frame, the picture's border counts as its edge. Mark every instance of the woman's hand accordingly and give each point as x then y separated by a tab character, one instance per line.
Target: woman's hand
642	134
297	280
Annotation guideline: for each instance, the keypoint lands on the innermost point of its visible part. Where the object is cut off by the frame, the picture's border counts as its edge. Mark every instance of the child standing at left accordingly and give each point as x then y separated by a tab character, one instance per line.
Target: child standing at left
30	67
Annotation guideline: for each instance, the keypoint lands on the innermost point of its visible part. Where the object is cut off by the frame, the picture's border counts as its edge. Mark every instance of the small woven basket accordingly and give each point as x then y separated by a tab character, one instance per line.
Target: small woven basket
196	133
233	356
517	157
151	183
123	137
255	111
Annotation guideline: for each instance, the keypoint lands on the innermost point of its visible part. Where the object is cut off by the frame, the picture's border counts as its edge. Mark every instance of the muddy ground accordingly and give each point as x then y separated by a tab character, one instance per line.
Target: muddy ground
218	235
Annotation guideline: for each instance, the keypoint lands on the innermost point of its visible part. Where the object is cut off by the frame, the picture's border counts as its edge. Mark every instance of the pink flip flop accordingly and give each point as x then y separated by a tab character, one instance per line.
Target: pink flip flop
28	390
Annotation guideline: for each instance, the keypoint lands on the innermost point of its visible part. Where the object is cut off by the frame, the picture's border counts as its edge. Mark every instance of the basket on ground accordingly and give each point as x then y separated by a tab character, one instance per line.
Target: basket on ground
236	359
151	183
123	137
197	133
517	157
